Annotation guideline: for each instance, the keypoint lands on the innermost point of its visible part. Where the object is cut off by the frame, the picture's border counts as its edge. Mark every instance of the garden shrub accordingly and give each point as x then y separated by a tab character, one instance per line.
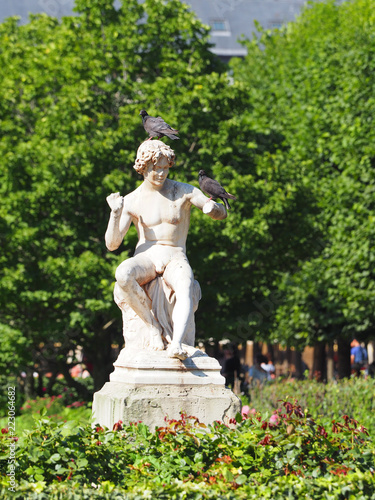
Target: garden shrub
59	408
354	397
286	454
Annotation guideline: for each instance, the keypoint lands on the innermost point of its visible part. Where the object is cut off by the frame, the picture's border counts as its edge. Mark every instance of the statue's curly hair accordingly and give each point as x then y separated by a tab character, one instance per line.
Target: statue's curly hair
152	151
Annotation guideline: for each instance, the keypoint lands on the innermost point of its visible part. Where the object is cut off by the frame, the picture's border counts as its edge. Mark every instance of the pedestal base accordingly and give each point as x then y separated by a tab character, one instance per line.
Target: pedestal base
151	404
149	386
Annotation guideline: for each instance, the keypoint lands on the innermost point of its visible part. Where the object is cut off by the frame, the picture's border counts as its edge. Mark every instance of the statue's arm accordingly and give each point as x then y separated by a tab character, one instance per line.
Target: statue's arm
119	221
214	210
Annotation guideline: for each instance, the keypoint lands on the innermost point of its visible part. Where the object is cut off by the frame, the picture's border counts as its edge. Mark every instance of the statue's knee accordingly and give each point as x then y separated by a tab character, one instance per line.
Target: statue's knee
124	276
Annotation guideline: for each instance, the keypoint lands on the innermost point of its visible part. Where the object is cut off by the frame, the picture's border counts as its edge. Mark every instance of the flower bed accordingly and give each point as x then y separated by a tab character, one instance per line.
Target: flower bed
284	454
354	397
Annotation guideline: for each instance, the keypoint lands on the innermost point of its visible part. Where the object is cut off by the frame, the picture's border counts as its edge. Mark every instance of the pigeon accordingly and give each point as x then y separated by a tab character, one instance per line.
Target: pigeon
213	188
156	127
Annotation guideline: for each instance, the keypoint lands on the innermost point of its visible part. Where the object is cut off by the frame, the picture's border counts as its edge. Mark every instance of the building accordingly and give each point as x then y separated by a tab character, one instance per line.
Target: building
232	19
229	19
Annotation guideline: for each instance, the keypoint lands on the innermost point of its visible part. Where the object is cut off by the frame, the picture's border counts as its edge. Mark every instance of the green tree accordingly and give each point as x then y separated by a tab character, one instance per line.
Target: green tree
72	91
313	82
71	94
290	134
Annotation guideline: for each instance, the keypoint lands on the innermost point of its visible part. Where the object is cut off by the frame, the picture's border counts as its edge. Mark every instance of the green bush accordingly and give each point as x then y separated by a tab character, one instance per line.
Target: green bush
284	454
354	397
57	408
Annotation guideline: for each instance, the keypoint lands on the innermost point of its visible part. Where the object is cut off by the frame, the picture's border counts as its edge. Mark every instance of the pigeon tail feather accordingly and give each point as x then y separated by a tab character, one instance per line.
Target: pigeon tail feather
226	203
171	136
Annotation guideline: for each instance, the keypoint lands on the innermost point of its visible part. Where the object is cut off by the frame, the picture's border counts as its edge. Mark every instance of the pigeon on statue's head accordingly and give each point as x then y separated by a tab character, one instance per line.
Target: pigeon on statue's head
213	189
156	127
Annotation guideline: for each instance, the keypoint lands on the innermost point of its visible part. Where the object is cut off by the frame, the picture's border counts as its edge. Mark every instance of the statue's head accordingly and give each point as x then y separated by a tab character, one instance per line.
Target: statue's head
151	151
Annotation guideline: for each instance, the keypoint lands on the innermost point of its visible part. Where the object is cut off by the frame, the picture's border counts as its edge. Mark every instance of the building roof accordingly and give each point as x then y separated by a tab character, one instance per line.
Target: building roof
22	8
229	19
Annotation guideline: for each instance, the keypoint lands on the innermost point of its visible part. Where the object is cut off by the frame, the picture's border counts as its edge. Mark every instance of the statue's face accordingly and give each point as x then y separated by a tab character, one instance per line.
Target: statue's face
156	174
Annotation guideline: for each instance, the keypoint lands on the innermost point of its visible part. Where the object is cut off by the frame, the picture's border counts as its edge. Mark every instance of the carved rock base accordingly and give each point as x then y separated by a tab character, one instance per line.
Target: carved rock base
151	404
149	386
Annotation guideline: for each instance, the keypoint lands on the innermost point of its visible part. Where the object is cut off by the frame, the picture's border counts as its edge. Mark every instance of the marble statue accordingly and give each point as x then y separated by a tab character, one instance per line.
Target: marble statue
155	289
159	372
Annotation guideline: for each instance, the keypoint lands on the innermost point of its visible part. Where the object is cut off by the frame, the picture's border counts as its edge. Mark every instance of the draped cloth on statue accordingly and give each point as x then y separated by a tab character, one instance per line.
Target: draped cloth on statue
135	331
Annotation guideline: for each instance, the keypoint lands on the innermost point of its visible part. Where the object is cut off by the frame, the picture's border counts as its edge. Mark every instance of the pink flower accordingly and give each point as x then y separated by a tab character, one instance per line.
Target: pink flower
77	404
274	420
245	410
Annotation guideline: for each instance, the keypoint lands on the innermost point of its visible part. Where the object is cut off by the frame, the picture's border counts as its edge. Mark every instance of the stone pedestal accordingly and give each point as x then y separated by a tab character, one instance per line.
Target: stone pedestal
149	386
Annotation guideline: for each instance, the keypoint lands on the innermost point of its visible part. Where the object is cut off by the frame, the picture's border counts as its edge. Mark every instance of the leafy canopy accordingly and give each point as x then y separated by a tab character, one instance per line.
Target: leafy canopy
312	82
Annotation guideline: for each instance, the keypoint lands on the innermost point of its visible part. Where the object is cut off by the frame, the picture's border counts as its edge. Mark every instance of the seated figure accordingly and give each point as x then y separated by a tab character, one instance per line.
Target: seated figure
155	288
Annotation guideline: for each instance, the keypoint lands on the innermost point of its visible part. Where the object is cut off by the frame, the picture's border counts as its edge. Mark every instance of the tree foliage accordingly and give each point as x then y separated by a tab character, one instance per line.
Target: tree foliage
313	82
71	94
289	133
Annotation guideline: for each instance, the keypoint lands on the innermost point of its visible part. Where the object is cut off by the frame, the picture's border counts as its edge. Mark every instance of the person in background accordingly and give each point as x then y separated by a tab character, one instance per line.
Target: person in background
268	367
358	357
231	366
256	373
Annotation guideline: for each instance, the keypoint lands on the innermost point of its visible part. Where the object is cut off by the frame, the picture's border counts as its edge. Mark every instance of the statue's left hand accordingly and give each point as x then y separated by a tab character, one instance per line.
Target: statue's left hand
209	207
216	211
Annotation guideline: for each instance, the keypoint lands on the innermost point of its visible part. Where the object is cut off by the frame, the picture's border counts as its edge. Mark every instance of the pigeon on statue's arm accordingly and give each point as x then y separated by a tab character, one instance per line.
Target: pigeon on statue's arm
214	189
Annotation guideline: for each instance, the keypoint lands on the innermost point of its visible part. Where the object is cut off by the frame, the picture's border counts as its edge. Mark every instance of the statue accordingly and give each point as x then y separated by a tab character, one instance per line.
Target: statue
160	372
155	288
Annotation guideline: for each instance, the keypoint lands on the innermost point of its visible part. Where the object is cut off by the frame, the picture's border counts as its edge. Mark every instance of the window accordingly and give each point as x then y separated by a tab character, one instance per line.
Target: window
276	24
220	27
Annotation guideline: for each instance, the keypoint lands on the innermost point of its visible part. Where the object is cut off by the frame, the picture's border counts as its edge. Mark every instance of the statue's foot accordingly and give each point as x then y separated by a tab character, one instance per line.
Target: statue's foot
175	350
167	339
156	339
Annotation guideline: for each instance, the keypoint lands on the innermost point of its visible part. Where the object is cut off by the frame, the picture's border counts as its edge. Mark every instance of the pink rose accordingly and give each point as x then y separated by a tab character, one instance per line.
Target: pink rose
245	410
274	419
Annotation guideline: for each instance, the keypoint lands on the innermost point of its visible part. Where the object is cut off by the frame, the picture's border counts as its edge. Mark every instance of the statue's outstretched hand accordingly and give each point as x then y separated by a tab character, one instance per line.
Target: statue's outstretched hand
116	202
214	210
209	207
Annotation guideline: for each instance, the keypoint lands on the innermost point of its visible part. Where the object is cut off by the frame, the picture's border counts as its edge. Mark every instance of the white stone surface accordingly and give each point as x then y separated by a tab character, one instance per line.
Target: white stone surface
144	367
150	386
163	299
156	286
157	294
152	403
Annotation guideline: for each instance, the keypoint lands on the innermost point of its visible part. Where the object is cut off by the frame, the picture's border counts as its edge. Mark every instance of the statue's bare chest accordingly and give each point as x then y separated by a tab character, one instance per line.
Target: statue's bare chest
157	208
